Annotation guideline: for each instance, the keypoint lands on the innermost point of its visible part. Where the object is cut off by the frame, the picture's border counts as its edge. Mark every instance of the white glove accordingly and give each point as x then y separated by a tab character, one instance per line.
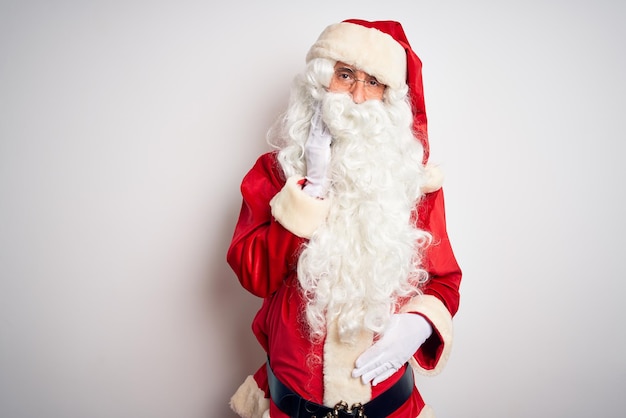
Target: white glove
405	333
317	156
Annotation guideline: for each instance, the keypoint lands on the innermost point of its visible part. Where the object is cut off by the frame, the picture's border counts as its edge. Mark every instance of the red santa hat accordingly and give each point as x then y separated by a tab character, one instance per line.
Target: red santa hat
379	48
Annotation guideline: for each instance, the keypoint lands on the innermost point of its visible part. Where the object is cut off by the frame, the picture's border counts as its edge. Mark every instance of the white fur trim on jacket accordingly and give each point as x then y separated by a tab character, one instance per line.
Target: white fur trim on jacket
426	412
298	212
368	49
436	312
249	400
339	359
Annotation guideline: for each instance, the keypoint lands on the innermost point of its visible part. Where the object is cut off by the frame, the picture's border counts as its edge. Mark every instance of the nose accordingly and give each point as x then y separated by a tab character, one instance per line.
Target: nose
358	92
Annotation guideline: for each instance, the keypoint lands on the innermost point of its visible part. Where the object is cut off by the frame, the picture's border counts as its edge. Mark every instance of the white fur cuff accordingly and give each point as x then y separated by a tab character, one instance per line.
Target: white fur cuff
436	312
249	401
297	211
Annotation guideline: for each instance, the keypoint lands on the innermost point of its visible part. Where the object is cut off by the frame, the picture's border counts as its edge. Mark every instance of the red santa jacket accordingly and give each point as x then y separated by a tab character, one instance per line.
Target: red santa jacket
268	237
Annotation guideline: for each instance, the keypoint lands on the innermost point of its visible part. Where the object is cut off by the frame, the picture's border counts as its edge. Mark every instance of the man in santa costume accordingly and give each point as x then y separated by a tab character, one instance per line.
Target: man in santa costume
342	233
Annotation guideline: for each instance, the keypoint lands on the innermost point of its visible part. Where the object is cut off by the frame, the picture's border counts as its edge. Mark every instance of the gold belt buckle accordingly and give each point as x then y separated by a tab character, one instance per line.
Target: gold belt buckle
356	410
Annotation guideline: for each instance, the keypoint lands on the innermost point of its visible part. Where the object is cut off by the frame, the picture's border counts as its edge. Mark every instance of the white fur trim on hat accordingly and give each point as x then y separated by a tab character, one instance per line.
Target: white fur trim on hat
368	49
298	212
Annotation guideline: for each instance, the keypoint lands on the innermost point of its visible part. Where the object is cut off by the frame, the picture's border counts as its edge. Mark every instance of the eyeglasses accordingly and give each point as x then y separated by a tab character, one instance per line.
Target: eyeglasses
345	79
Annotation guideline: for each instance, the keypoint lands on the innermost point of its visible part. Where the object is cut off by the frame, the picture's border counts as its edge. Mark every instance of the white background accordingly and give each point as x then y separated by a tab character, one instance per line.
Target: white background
125	130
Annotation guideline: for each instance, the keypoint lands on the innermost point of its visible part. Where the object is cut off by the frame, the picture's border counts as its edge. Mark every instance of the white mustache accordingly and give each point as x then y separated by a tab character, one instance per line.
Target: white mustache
342	116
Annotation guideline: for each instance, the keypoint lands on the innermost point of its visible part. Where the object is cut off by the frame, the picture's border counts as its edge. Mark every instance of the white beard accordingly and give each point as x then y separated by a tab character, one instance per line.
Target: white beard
367	255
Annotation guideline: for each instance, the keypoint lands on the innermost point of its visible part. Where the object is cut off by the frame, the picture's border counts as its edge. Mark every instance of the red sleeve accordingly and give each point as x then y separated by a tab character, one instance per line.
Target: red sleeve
262	252
443	284
261	380
443	269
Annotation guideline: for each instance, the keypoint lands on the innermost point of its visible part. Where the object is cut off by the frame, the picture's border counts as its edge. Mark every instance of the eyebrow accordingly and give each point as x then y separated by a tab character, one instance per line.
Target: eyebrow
345	68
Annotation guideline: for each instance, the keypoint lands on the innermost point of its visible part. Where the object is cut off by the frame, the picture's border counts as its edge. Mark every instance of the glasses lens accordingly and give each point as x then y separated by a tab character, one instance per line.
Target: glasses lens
344	77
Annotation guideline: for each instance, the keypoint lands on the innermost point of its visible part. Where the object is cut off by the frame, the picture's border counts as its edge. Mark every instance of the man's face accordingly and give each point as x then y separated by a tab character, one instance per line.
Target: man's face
359	84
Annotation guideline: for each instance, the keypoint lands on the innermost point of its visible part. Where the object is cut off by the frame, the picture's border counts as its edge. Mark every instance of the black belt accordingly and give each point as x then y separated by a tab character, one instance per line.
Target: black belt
380	407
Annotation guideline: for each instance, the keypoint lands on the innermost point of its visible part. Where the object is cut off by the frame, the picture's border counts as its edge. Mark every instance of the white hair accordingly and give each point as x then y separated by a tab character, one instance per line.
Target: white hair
367	256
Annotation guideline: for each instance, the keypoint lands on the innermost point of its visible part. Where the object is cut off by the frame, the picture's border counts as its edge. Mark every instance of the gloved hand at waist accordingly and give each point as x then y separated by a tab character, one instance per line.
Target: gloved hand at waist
405	334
